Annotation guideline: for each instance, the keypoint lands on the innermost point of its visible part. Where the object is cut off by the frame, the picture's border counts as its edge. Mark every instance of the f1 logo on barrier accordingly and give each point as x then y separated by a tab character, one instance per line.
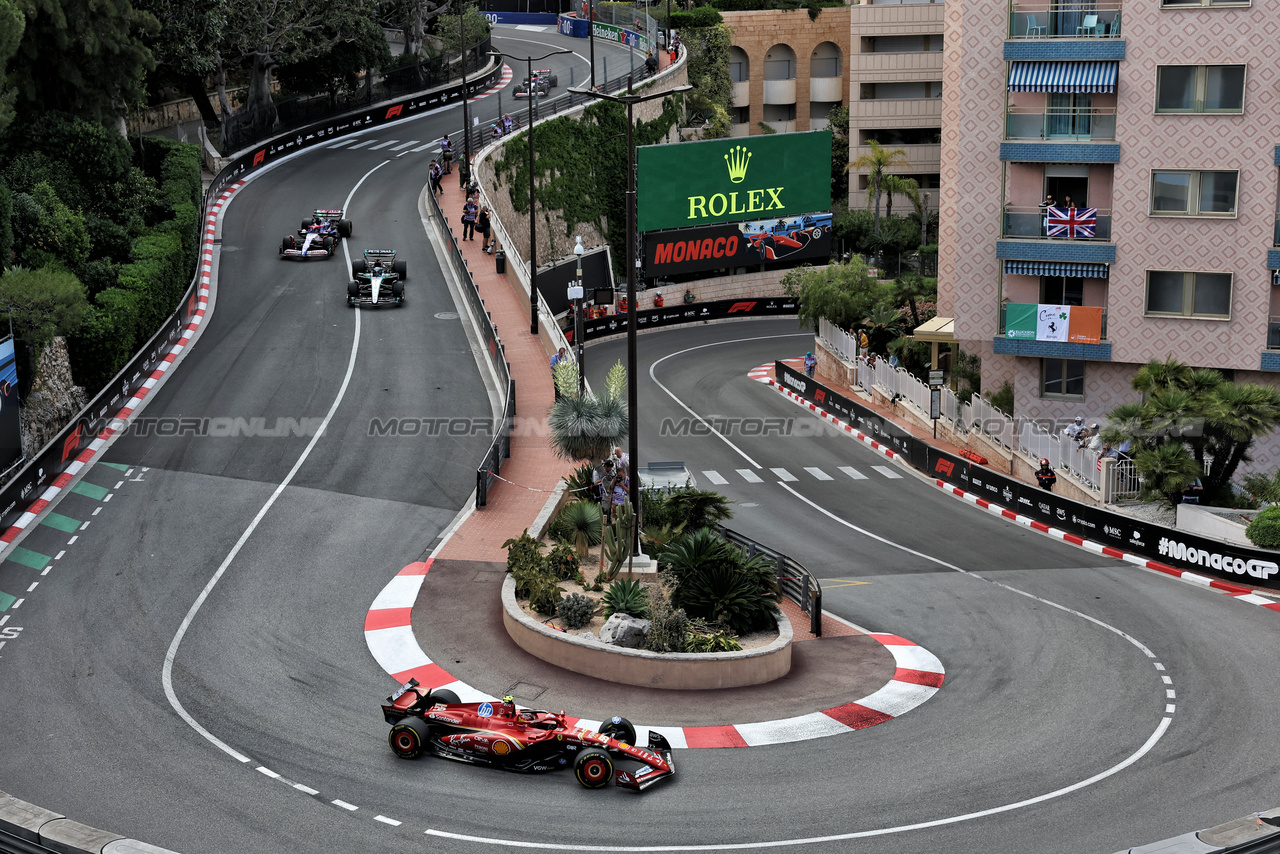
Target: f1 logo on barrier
71	443
946	467
741	306
259	156
393	111
819	395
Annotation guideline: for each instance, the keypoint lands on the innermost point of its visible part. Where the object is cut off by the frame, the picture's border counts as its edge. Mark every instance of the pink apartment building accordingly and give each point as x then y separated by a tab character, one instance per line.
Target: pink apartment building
1161	122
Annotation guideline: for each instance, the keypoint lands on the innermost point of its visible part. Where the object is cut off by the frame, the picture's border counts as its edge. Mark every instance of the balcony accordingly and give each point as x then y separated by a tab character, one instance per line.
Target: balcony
1061	124
1100	352
780	91
829	89
742	93
1046	19
1029	222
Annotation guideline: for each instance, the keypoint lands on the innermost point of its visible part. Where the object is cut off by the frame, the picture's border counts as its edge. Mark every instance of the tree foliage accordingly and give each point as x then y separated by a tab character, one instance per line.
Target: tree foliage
41	304
708	69
588	427
86	57
842	293
12	26
838	121
877	163
339	70
452	38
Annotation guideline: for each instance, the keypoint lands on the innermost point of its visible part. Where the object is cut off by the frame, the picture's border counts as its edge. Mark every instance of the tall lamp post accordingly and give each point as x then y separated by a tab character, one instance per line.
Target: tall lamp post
533	222
924	223
633	441
577	319
464	173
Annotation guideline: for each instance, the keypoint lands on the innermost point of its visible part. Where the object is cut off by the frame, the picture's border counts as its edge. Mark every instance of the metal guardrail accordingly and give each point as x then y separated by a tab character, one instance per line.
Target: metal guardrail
10	844
794	581
500	449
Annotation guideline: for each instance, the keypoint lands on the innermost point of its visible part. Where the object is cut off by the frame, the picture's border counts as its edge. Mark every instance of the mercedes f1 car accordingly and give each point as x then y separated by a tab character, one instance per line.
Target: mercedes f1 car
377	279
317	237
500	735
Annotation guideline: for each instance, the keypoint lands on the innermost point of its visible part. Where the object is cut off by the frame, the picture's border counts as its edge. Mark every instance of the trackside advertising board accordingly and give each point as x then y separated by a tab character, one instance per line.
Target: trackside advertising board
614	324
743	244
1227	561
10	422
731	180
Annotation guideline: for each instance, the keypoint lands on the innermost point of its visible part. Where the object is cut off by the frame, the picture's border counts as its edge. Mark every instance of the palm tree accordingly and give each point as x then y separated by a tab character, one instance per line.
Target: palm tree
876	163
908	187
1166	470
587	427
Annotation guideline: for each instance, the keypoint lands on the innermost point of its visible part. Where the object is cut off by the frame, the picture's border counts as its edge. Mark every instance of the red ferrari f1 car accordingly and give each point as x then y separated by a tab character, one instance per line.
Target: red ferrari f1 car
501	736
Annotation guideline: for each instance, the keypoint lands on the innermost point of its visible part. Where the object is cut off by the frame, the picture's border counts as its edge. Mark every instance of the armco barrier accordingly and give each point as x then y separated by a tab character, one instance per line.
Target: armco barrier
794	580
613	324
1227	561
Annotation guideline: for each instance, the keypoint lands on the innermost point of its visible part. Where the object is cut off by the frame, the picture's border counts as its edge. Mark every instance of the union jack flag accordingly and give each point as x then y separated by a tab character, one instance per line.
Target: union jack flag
1071	222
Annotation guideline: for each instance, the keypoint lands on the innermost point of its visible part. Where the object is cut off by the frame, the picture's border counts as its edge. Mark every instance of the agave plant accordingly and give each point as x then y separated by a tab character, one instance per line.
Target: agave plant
578	522
587	427
626	596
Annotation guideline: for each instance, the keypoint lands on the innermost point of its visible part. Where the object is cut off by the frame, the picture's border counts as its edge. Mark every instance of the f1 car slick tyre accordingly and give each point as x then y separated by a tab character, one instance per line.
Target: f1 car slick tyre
619	729
593	768
402	269
444	695
397	291
408	738
358	267
287	243
344	228
353	293
327	244
306	223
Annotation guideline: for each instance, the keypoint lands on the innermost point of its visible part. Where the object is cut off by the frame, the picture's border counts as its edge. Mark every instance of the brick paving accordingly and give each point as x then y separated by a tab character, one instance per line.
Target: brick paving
533	469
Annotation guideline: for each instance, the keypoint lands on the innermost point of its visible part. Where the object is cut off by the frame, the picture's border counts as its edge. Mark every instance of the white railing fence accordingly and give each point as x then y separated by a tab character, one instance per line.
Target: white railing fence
838	340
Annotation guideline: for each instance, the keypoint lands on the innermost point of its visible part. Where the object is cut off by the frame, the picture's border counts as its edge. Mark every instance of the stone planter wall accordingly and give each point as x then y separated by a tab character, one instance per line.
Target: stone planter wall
641	668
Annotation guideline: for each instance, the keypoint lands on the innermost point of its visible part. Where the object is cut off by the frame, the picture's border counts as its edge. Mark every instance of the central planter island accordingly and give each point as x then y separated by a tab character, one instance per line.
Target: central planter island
673	670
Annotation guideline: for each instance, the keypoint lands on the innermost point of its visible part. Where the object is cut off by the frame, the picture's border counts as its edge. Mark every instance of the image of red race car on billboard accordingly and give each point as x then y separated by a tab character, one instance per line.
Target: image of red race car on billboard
318	236
775	239
501	735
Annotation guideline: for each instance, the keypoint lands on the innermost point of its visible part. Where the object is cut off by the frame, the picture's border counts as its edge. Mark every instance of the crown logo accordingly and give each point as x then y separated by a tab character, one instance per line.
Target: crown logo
737	159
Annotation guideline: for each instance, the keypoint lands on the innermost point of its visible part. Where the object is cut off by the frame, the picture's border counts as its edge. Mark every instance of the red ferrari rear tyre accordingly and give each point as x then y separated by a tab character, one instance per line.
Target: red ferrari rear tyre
408	737
442	695
593	768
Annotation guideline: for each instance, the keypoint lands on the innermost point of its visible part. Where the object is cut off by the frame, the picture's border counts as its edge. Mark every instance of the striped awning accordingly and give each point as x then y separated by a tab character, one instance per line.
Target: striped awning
1055	268
1099	76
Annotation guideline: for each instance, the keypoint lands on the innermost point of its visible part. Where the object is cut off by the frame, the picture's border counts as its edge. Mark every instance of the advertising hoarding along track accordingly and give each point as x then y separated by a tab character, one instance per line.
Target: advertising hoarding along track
1201	555
745	244
730	180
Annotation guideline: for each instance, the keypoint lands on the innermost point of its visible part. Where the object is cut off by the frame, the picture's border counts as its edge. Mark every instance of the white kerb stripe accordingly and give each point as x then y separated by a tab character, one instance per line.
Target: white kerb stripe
673	734
400	592
897	698
396	650
915	658
799	728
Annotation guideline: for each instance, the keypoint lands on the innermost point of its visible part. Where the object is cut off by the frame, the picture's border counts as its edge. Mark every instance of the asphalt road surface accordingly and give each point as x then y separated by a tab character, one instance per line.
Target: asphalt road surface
192	672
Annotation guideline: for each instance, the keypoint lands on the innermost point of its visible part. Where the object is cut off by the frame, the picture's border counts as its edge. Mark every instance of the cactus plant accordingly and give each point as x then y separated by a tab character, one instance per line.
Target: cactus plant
617	540
575	610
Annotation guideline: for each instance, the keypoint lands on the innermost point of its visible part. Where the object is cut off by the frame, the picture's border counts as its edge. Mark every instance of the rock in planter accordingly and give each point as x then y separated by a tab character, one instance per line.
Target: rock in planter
624	630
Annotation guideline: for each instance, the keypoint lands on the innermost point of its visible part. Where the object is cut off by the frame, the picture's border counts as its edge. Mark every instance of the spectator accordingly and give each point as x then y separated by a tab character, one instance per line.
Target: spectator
446	154
1073	429
435	177
810	364
507	123
469	213
689	297
484	222
651	64
1191	495
1045	476
657	300
1095	437
1044	206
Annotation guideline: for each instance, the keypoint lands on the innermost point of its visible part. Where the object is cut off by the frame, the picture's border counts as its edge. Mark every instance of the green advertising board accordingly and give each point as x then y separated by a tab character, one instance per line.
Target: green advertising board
728	180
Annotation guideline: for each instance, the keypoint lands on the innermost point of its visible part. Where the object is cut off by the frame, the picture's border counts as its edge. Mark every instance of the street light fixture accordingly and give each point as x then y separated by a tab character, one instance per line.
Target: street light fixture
464	171
533	223
633	442
577	318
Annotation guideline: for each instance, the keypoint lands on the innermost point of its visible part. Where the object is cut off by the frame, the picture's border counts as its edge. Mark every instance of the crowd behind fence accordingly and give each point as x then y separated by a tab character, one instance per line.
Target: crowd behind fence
1026	436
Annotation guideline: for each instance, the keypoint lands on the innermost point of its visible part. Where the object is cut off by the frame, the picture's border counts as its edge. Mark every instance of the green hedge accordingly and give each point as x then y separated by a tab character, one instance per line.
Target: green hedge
108	338
697	18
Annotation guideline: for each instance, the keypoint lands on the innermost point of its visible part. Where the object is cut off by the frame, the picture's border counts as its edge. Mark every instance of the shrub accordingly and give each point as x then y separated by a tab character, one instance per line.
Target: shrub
107	339
576	610
108	239
6	227
522	551
1002	398
696	18
544	594
714	581
626	596
580	482
698	508
1264	530
668	624
580	523
700	639
563	562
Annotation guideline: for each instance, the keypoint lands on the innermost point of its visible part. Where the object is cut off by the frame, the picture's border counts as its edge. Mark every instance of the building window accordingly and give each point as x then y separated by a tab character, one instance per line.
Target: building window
1185	4
1193	193
1062	378
1061	290
1180	294
1200	89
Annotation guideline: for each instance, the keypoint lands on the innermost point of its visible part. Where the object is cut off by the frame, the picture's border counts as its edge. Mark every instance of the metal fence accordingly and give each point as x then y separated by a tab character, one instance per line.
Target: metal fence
794	581
290	110
838	340
500	449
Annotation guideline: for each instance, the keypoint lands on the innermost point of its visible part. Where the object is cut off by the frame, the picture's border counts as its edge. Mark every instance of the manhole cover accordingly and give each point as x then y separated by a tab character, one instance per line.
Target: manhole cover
526	691
446	315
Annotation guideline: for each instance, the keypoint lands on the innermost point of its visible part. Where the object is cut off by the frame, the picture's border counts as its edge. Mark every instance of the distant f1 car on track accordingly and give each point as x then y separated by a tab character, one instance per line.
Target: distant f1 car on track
317	237
377	279
543	82
501	736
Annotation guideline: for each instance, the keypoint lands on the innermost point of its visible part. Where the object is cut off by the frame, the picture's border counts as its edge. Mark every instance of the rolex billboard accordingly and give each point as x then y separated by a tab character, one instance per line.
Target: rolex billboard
727	180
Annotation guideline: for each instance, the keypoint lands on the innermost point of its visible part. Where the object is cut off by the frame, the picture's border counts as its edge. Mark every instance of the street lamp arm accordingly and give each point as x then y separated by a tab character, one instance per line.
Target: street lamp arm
527	58
630	99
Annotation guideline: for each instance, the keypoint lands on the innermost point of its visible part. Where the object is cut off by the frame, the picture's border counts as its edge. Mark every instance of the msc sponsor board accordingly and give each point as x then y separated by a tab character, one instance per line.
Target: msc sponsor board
746	244
1241	564
730	180
614	324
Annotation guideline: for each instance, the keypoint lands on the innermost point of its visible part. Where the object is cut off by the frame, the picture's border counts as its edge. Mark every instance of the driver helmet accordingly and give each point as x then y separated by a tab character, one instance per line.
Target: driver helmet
508	706
315	220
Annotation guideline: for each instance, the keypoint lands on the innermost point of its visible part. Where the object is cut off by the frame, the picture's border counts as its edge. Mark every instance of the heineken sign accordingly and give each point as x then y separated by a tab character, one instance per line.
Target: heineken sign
728	180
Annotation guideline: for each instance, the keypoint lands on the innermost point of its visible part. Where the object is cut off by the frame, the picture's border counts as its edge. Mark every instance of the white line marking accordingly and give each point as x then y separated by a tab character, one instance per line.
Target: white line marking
886	471
18	604
272	774
749	476
715	477
385	820
85	525
307	789
1168	710
362	144
341	143
45	571
4	619
423	147
783	475
1159	666
172	653
384	144
110	495
97	510
59	555
120	484
403	145
1167	680
1170	694
853	472
817	472
72	541
345	805
33	586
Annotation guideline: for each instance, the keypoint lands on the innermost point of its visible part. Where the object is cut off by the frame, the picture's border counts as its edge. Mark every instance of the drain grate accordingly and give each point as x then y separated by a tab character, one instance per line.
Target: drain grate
526	691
